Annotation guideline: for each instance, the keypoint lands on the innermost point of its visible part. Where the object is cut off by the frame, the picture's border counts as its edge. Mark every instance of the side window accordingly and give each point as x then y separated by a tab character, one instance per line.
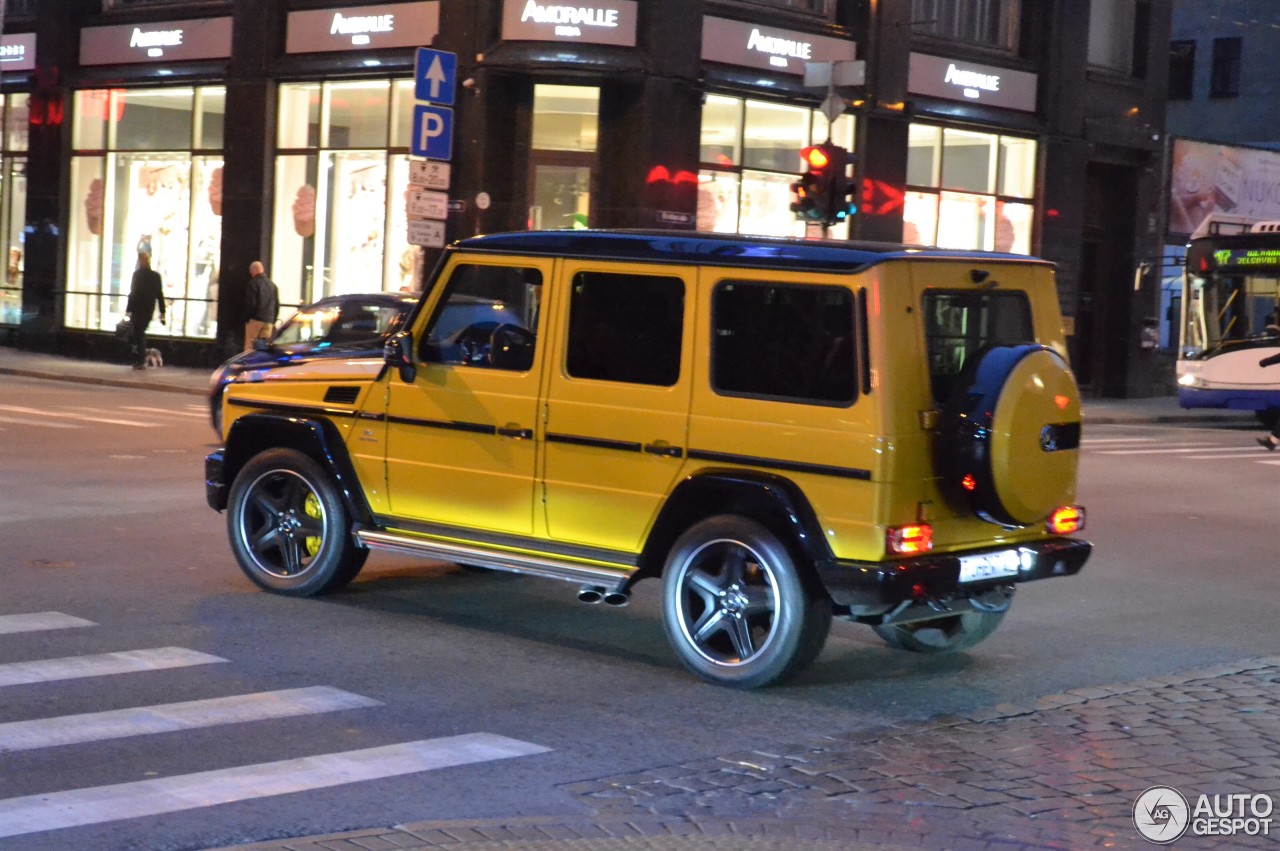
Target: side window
626	328
488	318
958	325
791	343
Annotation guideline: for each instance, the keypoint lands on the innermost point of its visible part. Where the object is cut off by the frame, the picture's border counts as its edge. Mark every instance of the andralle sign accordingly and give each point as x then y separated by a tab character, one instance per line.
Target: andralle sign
955	79
754	46
587	21
362	27
171	41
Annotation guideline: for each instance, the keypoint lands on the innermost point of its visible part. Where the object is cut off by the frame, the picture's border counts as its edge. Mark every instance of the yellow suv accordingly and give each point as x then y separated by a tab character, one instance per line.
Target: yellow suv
780	430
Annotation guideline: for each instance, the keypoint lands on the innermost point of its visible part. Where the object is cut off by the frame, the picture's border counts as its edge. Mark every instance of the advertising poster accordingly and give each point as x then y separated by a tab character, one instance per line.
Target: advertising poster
1221	181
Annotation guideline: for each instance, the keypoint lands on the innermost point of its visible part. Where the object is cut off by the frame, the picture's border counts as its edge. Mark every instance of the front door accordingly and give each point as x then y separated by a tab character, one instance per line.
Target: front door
460	438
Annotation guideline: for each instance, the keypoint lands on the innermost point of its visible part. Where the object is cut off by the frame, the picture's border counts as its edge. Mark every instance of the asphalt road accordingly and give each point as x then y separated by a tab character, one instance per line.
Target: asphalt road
102	518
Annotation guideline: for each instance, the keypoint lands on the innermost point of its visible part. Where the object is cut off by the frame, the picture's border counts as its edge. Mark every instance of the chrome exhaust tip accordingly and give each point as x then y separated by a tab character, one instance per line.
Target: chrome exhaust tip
590	594
617	599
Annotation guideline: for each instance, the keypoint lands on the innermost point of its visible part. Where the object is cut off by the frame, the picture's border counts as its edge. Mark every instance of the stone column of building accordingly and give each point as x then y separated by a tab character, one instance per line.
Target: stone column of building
247	174
47	215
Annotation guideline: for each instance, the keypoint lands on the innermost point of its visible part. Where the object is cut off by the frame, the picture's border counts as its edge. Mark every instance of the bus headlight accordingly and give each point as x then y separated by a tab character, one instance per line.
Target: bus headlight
1188	380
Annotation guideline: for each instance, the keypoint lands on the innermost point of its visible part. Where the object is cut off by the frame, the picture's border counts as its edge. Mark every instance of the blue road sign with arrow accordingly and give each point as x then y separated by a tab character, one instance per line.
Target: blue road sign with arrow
435	75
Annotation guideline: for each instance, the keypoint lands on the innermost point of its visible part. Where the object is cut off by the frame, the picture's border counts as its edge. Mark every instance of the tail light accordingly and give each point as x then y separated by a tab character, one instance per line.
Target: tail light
1065	520
909	540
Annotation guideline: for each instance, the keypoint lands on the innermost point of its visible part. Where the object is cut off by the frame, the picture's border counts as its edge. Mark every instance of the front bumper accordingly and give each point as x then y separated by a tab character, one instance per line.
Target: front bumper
215	486
872	585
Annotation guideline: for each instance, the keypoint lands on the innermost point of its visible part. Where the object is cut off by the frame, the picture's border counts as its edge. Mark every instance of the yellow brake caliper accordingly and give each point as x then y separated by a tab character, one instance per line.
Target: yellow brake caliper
311	506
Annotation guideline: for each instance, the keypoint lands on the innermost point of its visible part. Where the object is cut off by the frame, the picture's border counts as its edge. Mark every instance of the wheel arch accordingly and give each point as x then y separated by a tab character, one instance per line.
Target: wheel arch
317	438
774	501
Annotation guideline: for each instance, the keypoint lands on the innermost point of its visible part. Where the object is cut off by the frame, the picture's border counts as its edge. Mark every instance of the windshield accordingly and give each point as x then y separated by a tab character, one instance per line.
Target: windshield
1229	310
337	323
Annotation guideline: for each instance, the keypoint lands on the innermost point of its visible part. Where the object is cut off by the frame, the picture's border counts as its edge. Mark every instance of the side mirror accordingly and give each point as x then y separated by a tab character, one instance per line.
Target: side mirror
398	353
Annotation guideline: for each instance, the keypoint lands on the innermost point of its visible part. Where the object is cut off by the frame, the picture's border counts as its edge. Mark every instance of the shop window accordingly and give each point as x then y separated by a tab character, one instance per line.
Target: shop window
342	172
565	118
1182	69
1224	79
13	206
146	175
750	154
969	190
625	328
783	342
825	8
992	23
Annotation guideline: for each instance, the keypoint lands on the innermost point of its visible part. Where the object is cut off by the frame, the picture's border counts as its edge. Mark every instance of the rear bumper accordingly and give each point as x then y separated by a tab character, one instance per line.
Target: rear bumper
877	584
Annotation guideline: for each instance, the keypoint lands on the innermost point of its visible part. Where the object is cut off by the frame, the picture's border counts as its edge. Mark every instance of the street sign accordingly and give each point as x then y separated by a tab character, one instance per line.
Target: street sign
435	76
426	232
426	204
428	174
432	132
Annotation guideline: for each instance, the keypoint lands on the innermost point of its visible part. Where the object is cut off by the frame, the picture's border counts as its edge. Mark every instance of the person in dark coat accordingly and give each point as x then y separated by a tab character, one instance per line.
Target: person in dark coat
262	305
146	292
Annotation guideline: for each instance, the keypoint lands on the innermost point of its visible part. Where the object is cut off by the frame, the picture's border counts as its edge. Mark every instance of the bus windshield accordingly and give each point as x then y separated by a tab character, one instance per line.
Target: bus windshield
1230	296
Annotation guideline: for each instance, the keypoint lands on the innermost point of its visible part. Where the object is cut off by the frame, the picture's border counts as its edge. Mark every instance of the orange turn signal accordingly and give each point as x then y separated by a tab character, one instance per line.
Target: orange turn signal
1065	520
910	540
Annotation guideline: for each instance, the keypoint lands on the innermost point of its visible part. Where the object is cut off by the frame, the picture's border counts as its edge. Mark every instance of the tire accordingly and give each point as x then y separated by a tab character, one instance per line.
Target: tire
941	635
1010	435
737	608
289	528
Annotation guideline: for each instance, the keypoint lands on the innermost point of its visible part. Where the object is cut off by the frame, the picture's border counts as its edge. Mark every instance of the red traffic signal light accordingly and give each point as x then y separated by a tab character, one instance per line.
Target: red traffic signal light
823	190
816	157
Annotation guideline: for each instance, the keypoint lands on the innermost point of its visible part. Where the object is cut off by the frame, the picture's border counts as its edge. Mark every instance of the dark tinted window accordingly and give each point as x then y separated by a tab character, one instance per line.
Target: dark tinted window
792	343
1224	78
1182	69
488	318
958	326
626	328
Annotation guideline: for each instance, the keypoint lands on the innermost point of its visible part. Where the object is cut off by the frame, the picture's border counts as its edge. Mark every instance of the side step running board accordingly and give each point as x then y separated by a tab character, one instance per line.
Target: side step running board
548	567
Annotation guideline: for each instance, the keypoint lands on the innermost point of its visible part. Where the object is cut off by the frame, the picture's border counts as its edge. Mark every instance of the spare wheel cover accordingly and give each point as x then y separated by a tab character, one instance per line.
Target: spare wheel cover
1016	433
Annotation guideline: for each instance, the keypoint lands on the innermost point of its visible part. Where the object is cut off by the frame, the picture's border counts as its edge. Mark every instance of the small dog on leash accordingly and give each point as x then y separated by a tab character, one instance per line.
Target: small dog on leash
154	358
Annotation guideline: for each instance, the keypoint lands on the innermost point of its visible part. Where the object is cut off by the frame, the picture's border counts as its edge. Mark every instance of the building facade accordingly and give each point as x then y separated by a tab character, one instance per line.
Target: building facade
216	133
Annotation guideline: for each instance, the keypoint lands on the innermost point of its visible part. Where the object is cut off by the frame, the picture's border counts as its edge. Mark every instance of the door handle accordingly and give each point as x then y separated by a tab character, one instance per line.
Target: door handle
666	450
514	430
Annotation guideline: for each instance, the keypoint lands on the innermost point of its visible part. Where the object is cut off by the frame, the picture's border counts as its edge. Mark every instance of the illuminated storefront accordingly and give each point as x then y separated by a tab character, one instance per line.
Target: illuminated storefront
970	187
749	147
146	175
17	54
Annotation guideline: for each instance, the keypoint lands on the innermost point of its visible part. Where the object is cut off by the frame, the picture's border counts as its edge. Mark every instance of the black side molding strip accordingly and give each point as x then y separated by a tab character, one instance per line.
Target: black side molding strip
779	464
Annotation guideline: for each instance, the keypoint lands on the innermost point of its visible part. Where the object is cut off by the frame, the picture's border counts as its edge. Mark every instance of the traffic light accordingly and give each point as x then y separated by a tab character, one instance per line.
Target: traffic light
823	192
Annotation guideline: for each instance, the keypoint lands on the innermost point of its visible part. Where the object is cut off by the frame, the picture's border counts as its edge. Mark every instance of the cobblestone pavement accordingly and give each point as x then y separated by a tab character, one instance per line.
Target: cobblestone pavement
1060	773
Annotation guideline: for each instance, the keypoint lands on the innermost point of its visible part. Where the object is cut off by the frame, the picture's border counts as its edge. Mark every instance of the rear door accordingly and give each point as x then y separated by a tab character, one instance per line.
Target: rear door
617	401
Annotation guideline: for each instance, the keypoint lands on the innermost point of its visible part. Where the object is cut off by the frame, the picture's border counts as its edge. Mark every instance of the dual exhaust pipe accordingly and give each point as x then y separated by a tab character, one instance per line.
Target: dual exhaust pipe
598	594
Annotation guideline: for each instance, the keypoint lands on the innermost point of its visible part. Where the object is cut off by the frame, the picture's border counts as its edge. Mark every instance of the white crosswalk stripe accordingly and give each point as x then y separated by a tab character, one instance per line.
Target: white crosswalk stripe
13	421
60	809
73	808
39	621
37	412
172	717
75	667
198	414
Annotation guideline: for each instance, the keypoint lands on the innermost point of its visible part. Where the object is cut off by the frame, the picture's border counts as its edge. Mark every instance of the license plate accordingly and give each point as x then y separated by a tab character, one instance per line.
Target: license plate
989	566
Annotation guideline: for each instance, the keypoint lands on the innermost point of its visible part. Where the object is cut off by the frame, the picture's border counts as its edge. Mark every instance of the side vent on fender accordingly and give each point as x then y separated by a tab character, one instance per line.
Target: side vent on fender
342	395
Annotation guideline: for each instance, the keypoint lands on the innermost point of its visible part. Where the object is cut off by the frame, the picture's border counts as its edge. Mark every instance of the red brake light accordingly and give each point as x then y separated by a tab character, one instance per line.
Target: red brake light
910	540
1065	520
968	482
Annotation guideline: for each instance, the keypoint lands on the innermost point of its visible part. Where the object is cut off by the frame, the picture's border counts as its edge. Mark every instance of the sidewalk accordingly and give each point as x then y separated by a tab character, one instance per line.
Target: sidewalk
186	380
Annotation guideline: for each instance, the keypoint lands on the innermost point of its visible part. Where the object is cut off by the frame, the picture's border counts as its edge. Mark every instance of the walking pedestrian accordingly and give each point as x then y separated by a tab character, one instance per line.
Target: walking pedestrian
262	305
146	293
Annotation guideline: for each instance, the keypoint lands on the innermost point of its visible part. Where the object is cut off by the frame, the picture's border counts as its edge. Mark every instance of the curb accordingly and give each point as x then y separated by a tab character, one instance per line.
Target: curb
133	383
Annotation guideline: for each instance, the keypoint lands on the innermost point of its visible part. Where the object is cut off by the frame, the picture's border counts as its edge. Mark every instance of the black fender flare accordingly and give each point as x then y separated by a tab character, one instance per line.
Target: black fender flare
774	500
318	438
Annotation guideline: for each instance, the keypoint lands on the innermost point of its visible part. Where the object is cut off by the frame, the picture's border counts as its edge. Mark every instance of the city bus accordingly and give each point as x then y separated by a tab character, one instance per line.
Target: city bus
1231	323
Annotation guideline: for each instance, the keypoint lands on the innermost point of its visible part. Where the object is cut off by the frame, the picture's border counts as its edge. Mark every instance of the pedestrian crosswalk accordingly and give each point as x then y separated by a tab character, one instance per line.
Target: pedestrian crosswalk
71	417
57	809
1217	447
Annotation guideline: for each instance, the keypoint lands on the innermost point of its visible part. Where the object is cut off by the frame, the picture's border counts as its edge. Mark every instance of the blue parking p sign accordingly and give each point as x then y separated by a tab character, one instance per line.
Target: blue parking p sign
432	132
